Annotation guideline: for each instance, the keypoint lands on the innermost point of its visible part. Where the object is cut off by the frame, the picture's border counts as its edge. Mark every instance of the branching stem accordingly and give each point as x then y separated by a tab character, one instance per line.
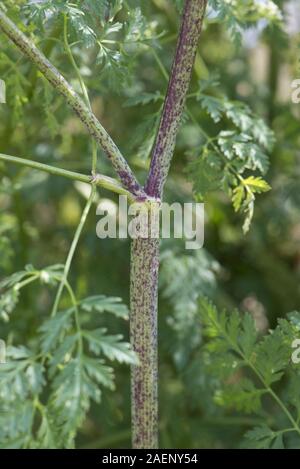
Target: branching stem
145	252
162	154
92	124
100	180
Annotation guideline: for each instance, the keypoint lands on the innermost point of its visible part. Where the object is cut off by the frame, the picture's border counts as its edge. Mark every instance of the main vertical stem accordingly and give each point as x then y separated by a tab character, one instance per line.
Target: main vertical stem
143	331
191	26
145	252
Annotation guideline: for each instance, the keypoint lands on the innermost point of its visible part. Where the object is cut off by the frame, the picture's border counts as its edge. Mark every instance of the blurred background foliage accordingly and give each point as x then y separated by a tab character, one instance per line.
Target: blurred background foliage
257	272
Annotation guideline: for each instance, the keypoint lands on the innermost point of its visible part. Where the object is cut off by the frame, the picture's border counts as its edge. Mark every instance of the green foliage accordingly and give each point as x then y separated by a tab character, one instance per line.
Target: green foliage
89	12
11	286
115	33
228	157
263	438
236	15
53	382
179	4
102	303
38	216
248	365
144	138
17	85
143	98
184	278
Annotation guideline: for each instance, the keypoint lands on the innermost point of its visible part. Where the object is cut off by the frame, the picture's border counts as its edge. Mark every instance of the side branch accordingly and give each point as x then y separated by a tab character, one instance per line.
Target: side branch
191	27
100	180
94	127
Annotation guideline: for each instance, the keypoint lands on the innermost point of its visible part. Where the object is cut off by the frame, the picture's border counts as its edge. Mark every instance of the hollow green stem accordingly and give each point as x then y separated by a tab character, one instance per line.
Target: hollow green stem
100	180
72	251
74	64
83	87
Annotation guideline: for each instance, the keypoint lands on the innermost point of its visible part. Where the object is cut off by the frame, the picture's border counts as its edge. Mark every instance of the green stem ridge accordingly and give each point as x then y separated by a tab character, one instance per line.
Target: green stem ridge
94	127
72	251
98	180
83	88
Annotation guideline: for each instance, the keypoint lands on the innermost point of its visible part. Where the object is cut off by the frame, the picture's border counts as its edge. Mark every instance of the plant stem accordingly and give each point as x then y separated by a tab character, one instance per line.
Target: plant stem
74	64
143	333
100	180
92	124
72	251
191	26
82	86
145	252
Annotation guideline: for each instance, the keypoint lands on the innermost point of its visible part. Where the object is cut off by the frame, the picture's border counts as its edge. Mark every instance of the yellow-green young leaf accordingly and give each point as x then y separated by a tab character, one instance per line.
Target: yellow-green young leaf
237	198
257	184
